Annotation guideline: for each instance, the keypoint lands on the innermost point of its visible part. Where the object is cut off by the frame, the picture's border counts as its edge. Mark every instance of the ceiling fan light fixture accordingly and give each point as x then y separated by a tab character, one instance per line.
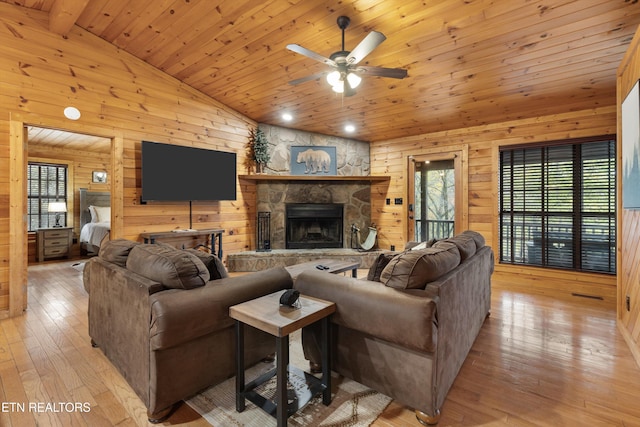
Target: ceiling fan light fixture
354	80
336	80
333	78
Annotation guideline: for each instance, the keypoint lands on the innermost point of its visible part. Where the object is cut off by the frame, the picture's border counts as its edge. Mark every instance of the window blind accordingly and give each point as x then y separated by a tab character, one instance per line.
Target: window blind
558	205
45	183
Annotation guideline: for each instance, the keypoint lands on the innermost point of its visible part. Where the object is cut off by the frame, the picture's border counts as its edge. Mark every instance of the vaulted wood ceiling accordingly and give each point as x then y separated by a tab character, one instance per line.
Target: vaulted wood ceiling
470	62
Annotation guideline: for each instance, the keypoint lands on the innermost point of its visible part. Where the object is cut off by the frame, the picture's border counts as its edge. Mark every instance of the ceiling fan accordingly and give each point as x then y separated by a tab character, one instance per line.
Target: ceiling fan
346	74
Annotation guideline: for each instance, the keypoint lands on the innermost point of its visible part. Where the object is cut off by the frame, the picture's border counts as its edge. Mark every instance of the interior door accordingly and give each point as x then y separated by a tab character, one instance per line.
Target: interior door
436	191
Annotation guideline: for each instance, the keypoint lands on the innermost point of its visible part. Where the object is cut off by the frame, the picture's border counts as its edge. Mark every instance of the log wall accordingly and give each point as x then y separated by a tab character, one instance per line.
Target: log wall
481	145
122	98
629	220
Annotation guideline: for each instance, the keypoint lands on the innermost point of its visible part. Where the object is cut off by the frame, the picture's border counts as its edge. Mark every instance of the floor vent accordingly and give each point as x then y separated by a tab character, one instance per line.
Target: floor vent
587	296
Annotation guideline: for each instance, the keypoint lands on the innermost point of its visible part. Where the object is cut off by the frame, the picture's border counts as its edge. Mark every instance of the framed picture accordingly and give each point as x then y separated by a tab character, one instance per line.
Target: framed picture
99	177
313	160
631	149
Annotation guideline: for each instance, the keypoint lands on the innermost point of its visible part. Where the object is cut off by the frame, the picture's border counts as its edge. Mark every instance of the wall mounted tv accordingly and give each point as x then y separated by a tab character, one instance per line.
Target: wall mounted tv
179	173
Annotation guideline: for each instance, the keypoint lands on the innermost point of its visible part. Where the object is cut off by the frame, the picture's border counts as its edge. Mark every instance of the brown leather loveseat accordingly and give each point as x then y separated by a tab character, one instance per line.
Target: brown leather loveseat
162	322
407	329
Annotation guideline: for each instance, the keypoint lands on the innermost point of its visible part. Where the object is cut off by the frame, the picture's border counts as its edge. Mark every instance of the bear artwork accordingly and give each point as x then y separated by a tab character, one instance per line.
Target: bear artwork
315	160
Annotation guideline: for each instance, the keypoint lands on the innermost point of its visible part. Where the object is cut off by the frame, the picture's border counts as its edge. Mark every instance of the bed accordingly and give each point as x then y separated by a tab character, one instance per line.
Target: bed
95	220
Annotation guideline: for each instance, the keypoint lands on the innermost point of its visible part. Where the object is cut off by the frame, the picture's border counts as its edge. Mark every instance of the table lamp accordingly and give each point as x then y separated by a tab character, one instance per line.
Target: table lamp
57	207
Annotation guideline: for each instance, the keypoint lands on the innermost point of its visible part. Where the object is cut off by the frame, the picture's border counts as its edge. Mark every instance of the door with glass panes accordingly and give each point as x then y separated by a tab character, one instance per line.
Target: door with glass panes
435	197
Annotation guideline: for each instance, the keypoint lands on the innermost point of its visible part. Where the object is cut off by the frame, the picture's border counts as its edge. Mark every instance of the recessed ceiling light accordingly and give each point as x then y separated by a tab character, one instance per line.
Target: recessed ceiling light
287	117
350	128
72	113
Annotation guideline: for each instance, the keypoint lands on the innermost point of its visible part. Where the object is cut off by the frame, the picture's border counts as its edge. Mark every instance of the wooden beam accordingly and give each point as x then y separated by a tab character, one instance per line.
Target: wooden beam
17	220
65	13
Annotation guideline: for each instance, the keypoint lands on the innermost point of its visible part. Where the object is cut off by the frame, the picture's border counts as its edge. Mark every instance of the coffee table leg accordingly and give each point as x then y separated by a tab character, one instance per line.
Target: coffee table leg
240	402
282	357
326	361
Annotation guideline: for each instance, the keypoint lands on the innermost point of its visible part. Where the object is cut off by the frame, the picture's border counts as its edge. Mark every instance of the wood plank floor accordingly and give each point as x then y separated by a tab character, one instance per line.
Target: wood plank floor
538	361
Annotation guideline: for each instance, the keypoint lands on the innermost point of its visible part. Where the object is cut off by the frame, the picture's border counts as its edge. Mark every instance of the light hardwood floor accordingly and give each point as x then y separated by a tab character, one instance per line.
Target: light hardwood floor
538	361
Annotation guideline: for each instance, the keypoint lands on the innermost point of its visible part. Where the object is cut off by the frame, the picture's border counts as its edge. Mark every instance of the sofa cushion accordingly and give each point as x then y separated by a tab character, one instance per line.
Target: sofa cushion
465	244
216	268
479	238
172	267
378	265
117	251
414	269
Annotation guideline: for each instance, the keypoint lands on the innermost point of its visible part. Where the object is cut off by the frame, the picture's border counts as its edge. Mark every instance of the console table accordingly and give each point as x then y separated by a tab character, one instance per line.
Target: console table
214	237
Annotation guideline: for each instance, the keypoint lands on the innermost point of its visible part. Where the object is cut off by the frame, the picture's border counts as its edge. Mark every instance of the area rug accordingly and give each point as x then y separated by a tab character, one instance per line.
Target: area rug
352	403
78	266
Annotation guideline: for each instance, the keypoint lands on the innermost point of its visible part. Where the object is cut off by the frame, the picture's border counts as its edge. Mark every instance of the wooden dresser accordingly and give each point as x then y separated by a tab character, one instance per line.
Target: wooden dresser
54	242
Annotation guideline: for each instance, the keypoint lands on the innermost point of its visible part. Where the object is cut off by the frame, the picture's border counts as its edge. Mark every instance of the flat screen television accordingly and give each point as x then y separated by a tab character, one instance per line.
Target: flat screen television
179	173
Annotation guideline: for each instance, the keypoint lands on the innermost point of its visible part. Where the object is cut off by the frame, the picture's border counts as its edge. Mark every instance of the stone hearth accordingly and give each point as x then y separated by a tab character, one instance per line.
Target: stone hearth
258	261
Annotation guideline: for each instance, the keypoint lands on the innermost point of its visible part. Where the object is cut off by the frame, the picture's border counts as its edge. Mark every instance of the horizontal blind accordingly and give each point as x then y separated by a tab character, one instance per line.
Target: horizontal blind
45	183
557	205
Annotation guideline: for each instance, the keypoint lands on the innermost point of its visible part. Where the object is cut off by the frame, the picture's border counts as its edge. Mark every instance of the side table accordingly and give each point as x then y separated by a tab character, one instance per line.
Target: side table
266	314
54	242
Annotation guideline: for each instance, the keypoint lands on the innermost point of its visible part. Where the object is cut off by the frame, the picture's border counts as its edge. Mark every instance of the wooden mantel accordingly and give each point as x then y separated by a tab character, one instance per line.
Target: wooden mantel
377	178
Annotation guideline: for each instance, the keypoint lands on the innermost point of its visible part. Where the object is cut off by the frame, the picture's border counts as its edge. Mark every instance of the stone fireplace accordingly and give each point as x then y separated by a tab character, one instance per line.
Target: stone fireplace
352	197
314	225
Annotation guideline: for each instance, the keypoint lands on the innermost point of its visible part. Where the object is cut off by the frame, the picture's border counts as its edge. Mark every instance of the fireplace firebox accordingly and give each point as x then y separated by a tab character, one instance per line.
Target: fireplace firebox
314	225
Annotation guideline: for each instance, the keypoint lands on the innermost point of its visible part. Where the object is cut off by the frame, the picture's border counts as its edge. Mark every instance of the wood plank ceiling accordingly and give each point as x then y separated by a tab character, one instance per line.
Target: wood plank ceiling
470	62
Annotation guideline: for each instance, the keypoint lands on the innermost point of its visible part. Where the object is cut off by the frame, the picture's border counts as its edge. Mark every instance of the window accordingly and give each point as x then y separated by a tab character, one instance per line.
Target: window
558	205
46	183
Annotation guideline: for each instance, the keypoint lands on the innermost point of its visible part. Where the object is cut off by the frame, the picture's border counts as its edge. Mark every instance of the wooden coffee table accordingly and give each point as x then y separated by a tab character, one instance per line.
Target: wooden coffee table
266	314
333	266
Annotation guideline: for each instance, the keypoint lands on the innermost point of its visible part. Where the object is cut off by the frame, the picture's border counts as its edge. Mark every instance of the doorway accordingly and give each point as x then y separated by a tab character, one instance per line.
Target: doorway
438	206
434	195
18	241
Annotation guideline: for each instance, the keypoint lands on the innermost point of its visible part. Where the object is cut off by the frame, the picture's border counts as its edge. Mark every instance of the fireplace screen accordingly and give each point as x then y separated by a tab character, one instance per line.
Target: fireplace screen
314	225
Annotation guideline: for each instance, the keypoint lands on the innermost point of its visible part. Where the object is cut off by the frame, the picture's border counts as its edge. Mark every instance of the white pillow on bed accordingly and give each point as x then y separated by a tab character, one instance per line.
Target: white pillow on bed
100	213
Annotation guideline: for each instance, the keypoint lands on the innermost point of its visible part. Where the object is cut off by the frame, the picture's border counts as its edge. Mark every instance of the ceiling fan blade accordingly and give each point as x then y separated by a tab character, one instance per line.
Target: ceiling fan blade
308	78
311	54
394	73
373	39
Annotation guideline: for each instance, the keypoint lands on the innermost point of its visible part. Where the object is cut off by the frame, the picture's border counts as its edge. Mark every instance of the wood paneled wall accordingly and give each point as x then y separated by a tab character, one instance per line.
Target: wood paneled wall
629	220
120	97
482	144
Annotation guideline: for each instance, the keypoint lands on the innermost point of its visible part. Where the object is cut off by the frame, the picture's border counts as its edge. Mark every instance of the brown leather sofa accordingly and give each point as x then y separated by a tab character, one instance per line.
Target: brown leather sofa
407	329
165	326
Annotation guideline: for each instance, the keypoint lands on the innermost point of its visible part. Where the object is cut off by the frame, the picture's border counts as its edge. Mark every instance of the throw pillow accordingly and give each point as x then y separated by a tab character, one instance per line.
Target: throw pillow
379	264
414	269
174	268
117	251
216	268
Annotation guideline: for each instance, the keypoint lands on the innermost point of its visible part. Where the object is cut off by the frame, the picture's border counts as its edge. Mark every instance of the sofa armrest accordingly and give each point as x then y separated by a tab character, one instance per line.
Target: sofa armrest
404	318
119	319
181	315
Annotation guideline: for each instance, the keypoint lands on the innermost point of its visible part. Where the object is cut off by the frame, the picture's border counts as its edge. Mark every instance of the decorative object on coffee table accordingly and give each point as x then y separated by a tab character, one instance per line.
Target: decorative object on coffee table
328	265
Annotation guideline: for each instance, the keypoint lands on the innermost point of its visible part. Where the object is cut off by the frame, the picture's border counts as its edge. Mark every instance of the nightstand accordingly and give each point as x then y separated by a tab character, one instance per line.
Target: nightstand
54	242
